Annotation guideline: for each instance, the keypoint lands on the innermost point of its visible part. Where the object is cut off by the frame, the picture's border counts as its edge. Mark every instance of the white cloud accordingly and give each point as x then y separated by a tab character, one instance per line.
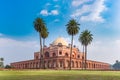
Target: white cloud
46	13
91	12
12	50
117	41
54	12
77	3
80	12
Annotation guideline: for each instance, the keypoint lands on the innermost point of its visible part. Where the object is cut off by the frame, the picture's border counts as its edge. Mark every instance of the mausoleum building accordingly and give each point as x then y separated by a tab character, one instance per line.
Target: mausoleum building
57	56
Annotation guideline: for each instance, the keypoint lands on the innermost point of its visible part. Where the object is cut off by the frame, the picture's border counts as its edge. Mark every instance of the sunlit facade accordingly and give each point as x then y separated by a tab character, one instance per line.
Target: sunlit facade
57	56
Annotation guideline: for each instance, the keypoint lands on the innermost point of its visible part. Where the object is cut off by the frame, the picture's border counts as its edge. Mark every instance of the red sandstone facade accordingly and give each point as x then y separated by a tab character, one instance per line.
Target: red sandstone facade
57	56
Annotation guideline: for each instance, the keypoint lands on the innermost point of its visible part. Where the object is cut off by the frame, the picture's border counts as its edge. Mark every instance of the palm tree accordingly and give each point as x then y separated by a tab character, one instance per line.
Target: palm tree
39	24
72	29
44	35
82	42
85	39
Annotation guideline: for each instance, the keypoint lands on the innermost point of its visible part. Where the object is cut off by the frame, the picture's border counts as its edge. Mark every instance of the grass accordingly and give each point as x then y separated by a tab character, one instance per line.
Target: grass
59	75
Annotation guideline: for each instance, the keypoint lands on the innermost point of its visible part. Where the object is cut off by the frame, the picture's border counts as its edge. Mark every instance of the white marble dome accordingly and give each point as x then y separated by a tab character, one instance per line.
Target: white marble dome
61	41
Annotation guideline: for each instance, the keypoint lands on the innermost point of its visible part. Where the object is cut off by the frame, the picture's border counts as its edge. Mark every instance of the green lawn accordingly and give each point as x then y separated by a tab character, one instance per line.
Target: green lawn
59	75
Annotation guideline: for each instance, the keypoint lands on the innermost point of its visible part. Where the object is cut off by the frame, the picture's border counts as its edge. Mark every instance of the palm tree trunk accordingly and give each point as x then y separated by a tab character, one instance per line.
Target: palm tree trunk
85	57
71	51
43	53
40	51
43	42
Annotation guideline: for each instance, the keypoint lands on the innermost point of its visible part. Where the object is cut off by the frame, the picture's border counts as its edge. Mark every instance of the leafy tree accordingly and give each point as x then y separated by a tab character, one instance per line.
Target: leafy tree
72	29
85	38
116	66
8	67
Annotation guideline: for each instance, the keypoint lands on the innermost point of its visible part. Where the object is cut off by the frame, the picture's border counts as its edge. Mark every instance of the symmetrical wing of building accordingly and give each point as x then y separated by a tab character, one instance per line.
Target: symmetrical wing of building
57	56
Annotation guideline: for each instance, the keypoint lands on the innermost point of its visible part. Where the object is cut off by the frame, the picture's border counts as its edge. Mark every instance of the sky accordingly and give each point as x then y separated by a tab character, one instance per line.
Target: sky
19	40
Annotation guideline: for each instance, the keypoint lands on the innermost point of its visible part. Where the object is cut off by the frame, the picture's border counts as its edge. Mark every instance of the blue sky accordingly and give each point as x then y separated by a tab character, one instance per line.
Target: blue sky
19	40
